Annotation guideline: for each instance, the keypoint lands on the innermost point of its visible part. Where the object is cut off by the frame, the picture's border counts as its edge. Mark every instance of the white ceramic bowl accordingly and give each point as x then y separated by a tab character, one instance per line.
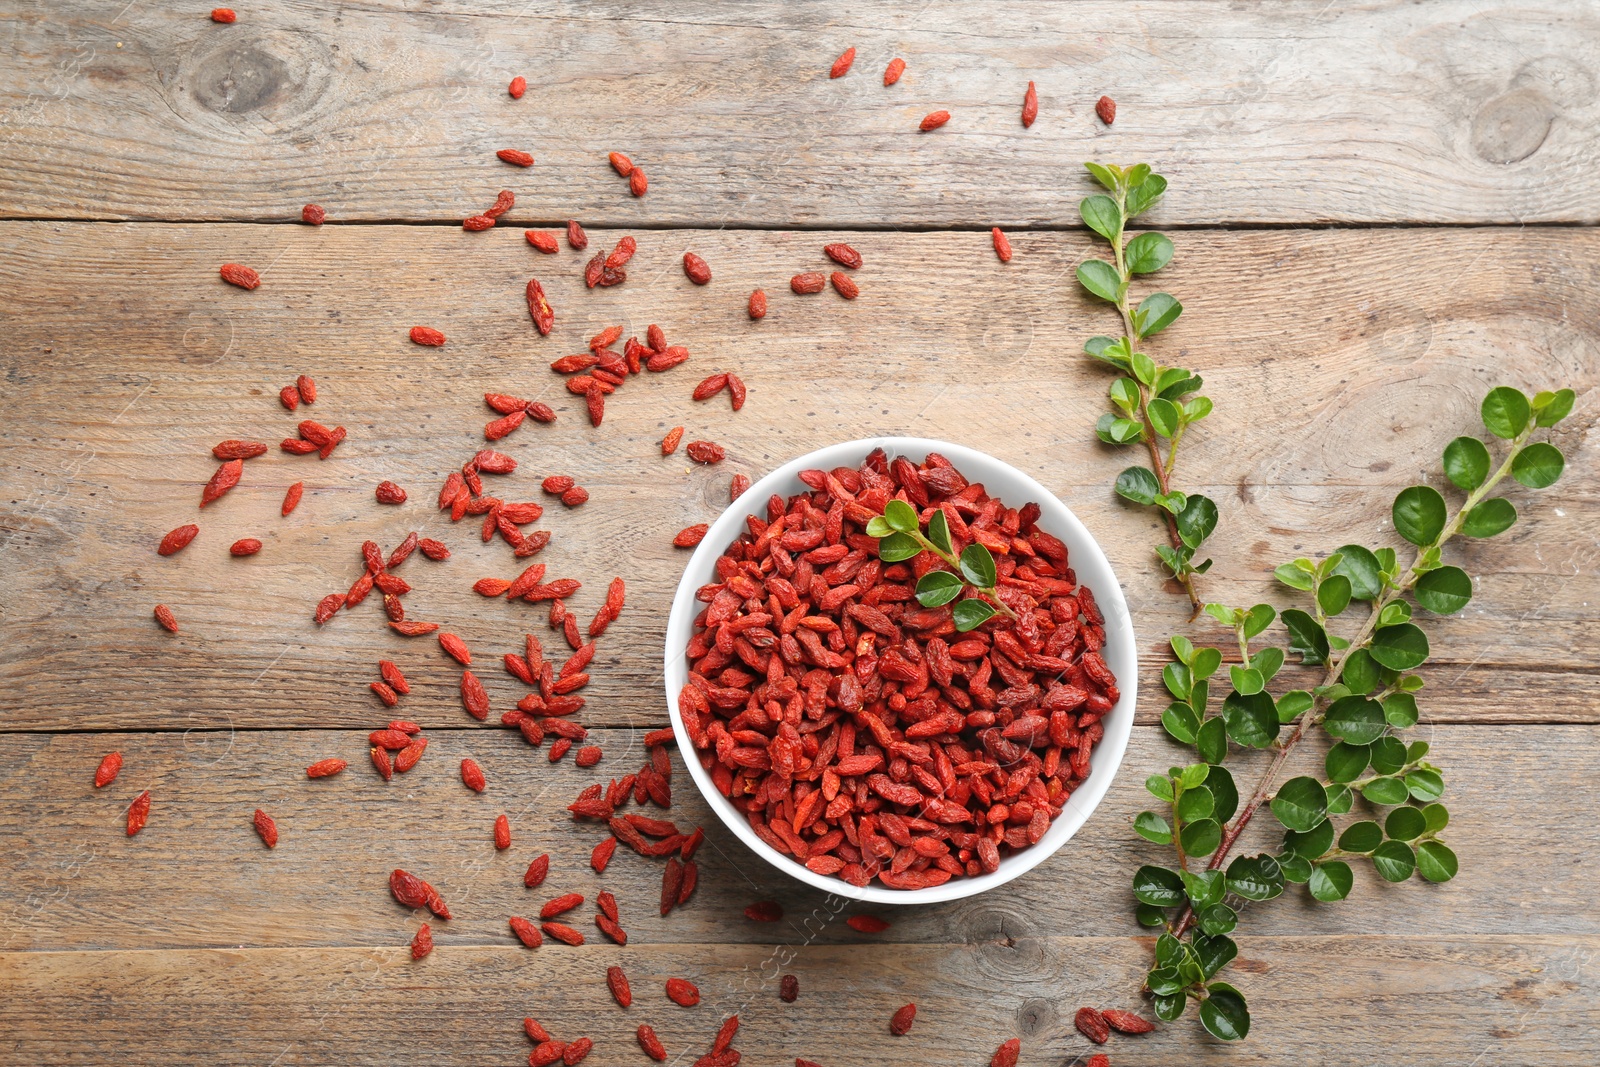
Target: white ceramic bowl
1015	489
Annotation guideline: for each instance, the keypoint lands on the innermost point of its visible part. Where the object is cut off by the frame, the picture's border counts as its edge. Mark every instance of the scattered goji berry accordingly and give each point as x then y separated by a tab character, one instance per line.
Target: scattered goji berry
843	255
108	770
472	775
1006	1054
1002	245
764	911
576	237
422	943
809	282
562	932
314	214
934	120
138	812
618	983
537	871
638	182
696	268
844	285
788	988
226	478
477	223
651	1043
518	86
1030	106
705	452
1106	108
1092	1025
526	932
426	335
602	854
1126	1021
544	317
900	1022
223	14
683	992
515	156
669	443
325	768
389	493
841	66
177	539
544	242
267	828
892	72
240	275
867	924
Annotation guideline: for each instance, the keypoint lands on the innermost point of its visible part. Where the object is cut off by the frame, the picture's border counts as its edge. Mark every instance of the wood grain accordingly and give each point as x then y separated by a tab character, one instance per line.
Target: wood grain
1457	111
201	868
1352	999
127	359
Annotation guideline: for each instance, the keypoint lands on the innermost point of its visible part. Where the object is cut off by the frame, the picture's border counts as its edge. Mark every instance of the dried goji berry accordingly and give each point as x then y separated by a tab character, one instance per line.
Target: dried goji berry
696	268
326	767
414	629
472	775
1106	108
434	550
683	992
809	282
546	1053
669	443
705	452
620	255
575	496
515	156
544	317
788	988
389	493
502	833
638	182
576	1051
138	812
544	242
526	932
224	15
473	697
843	255
841	66
844	285
621	164
422	943
426	335
1006	1054
408	757
177	539
602	854
892	72
1092	1025
934	120
291	498
651	1043
226	478
477	223
758	304
588	755
562	932
289	397
576	237
710	387
1126	1021
1002	245
329	606
456	648
518	86
231	449
385	693
314	214
240	275
1030	106
867	924
618	983
764	911
900	1023
537	870
266	828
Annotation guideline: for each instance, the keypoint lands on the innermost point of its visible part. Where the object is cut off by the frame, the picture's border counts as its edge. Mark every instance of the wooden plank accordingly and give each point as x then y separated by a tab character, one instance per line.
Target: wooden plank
1457	111
1445	1000
204	879
127	359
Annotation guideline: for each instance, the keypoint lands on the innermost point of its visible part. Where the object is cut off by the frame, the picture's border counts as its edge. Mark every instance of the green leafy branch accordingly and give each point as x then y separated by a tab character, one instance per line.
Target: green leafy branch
1151	404
1366	697
901	537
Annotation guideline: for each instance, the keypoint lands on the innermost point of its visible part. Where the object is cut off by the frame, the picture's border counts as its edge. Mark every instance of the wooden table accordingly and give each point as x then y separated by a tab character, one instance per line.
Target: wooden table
1379	213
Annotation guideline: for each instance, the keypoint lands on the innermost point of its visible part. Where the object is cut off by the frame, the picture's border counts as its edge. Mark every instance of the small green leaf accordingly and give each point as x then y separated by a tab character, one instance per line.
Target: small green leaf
1300	803
1400	648
1538	466
1493	516
938	587
1158	887
1258	619
1400	710
1436	862
1331	881
1164	980
1296	868
1246	681
1416	750
1169	1006
1115	431
1425	785
939	531
1306	636
1388	755
1355	720
1216	920
1160	787
1394	613
1206	662
1158	311
1152	827
1144	368
1178	680
1361	567
1191	776
1106	176
1361	673
1444	591
1310	844
972	613
1181	723
1102	215
878	526
1345	762
1197	520
1292	704
978	566
1361	837
1292	576
1196	408
1183	648
1387	791
1205	888
1419	514
1333	595
1405	824
901	517
1100	278
1138	485
1466	462
1145	193
1195	802
1223	1013
1506	412
1201	838
1340	798
1173	501
896	547
1149	916
1225	795
1551	408
1251	720
1148	253
1394	861
1164	417
1214	952
1267	662
1255	877
1436	817
1212	741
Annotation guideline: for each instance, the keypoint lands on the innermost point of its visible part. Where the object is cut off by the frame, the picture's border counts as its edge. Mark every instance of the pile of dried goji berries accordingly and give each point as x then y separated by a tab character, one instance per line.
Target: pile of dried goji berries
859	732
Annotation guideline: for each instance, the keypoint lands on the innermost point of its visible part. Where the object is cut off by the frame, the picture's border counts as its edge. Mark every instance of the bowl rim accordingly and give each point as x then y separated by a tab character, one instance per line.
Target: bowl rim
1121	651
